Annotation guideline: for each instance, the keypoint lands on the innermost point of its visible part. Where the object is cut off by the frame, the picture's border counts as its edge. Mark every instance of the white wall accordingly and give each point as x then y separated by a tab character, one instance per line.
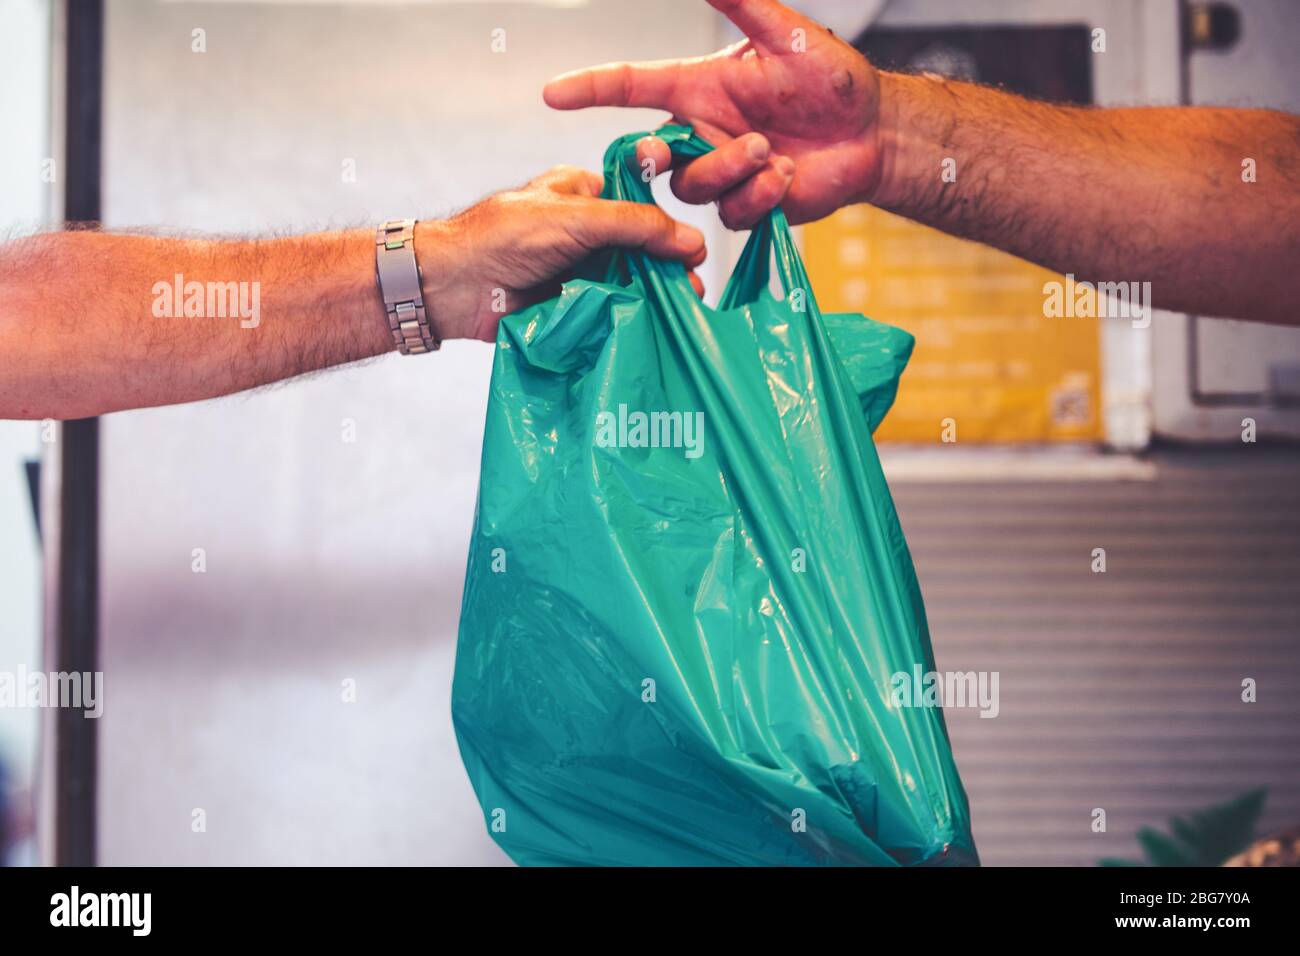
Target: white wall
326	561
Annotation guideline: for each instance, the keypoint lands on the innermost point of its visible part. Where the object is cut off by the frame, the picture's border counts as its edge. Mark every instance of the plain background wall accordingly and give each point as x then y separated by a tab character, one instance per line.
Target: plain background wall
326	561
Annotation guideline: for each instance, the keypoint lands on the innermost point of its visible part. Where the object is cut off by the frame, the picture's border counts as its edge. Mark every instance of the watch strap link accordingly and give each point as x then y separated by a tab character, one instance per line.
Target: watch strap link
398	276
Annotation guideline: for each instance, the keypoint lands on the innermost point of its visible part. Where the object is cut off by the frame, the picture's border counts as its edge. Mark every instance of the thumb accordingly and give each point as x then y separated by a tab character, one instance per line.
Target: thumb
766	22
603	222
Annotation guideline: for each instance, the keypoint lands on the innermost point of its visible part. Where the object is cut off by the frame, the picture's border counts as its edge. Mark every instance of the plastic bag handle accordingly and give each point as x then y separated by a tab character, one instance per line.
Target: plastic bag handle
753	269
624	180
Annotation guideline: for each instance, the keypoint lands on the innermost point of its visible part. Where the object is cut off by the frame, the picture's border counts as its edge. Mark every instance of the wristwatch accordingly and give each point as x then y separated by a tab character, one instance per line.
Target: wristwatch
398	276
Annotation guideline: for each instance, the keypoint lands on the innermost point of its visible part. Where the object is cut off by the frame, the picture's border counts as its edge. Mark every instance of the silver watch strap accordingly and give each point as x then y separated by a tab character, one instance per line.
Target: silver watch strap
398	276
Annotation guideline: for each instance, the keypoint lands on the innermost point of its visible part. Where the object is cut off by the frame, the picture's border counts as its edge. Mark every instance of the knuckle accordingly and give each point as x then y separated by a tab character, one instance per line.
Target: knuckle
626	82
659	221
636	214
508	200
644	222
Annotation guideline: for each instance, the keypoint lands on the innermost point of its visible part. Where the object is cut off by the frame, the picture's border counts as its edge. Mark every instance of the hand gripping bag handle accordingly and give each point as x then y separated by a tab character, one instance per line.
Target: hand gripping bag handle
876	353
623	180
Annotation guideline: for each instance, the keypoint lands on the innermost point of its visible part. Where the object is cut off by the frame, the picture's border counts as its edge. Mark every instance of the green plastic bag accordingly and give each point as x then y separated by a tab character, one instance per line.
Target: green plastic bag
687	589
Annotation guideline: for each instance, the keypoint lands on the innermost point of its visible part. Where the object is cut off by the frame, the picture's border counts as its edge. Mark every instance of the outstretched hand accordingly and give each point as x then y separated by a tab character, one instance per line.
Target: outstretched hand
793	111
514	248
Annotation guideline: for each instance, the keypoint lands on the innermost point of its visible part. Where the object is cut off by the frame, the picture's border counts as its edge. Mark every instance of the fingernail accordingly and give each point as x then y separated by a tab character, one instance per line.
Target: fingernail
758	148
785	166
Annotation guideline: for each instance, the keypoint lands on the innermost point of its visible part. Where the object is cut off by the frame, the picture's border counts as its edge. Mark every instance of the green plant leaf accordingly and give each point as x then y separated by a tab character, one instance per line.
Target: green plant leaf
1164	851
1205	838
1216	833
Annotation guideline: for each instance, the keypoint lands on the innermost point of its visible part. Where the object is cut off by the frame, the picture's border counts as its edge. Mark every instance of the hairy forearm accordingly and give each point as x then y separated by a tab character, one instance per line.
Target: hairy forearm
1145	194
91	322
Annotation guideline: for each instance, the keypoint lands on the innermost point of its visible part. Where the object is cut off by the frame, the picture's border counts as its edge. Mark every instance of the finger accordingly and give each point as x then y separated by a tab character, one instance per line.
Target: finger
764	21
615	84
696	260
655	152
757	196
696	283
713	135
570	181
703	180
598	223
522	298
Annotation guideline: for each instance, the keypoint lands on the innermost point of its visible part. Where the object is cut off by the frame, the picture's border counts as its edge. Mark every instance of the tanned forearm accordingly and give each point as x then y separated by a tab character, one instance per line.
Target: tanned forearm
1144	194
91	323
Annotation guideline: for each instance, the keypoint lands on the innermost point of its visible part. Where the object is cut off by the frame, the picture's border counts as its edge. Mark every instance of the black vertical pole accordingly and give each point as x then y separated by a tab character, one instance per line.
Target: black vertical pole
77	633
